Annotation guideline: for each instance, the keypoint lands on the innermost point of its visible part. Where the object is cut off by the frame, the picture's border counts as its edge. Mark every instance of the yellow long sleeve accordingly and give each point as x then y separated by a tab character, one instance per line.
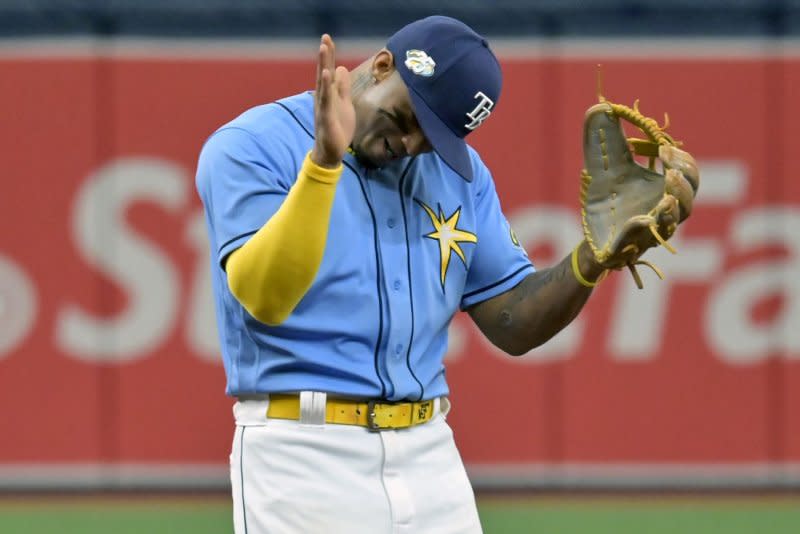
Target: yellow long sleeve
270	273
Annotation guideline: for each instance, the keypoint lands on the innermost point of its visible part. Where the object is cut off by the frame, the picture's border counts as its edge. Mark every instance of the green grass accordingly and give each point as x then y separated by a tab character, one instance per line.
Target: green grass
608	516
615	515
117	517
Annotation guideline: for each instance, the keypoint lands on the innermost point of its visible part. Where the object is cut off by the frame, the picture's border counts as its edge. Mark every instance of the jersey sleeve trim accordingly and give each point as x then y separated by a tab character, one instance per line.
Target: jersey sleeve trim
232	244
492	290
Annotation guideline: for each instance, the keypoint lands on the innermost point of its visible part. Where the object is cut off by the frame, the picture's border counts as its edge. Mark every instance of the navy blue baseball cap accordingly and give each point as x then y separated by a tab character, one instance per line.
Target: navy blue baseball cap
454	80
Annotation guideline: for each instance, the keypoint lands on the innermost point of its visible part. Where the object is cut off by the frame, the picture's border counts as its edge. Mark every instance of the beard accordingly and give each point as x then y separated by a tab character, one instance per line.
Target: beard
362	158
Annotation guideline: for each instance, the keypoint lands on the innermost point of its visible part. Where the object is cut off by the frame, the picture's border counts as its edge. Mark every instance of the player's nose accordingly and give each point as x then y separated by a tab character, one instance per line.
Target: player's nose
415	143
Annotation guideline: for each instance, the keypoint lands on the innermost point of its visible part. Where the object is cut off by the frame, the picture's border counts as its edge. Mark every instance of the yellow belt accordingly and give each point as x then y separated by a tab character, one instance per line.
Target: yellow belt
372	414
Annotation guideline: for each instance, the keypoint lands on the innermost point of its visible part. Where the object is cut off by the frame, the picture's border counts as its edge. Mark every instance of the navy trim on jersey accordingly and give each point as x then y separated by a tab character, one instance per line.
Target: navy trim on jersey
490	286
229	241
378	276
410	293
376	356
290	112
237	172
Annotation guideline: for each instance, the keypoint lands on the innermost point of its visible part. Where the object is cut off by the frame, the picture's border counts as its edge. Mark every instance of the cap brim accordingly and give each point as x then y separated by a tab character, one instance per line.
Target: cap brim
450	147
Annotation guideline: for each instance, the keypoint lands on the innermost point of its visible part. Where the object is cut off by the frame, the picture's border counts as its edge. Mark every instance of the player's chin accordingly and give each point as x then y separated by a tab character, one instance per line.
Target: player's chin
372	157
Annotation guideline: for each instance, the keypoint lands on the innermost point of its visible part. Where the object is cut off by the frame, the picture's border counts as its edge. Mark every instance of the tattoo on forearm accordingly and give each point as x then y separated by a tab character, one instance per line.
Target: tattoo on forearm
545	289
534	311
547	276
560	271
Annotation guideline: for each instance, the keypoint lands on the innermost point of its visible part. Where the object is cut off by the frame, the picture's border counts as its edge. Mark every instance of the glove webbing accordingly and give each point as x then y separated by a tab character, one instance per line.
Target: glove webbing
642	147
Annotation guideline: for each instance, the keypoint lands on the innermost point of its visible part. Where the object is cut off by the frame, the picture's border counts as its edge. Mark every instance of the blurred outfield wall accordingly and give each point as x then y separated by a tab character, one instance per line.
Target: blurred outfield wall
109	372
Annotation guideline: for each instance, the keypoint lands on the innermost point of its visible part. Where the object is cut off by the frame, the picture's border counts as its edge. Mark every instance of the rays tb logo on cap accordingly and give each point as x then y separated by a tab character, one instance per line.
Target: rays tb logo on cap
454	80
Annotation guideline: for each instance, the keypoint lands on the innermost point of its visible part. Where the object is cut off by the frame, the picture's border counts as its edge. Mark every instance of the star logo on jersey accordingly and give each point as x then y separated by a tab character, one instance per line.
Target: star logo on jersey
447	233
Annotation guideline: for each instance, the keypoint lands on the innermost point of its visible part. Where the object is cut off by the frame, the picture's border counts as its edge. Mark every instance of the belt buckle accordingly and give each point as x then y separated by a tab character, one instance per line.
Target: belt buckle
372	426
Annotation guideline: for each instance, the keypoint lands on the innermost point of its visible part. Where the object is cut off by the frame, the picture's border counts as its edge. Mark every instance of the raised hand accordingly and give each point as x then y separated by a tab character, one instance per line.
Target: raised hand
334	115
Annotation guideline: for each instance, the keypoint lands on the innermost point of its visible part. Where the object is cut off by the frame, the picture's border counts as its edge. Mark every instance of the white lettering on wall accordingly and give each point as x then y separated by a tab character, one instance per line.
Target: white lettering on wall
732	331
17	305
142	270
457	338
638	317
156	308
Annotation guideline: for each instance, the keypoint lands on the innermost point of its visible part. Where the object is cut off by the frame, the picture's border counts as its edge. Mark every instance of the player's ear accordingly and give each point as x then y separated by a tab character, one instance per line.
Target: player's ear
382	65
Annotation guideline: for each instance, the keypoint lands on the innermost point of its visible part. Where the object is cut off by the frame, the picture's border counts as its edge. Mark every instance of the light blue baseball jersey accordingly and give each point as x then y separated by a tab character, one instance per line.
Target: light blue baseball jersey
408	246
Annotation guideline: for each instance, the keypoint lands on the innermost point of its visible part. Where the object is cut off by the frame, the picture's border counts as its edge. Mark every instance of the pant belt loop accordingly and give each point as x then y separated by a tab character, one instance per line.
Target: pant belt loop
312	407
443	406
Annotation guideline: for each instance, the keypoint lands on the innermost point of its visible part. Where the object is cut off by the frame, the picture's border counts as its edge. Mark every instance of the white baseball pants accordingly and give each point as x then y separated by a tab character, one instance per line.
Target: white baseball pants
291	477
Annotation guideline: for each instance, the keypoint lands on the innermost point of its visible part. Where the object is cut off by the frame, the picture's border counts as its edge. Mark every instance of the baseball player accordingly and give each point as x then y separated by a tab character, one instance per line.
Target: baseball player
347	226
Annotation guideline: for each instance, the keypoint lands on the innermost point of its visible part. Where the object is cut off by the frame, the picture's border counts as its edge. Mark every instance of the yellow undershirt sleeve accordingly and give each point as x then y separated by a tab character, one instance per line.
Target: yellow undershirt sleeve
270	273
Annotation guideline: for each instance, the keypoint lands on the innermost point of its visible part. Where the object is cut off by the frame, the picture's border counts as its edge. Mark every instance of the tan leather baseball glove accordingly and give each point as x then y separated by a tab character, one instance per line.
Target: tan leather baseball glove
628	208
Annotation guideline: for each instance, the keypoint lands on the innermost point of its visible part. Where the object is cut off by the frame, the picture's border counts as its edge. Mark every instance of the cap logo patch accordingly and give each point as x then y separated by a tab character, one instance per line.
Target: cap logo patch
420	63
481	111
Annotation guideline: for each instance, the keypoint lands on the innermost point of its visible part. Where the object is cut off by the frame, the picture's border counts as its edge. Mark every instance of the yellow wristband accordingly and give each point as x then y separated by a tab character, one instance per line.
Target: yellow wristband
319	173
578	276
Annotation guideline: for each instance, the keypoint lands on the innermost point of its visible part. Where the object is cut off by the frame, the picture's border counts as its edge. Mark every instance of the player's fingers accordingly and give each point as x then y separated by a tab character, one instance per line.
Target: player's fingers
327	74
343	84
680	188
331	64
324	92
675	158
321	51
326	59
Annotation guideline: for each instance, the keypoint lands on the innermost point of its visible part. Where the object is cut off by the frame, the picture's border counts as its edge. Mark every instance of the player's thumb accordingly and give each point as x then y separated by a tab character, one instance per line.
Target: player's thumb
343	85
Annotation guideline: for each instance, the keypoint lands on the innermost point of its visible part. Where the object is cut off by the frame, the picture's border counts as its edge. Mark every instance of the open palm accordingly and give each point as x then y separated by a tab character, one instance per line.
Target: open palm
334	115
